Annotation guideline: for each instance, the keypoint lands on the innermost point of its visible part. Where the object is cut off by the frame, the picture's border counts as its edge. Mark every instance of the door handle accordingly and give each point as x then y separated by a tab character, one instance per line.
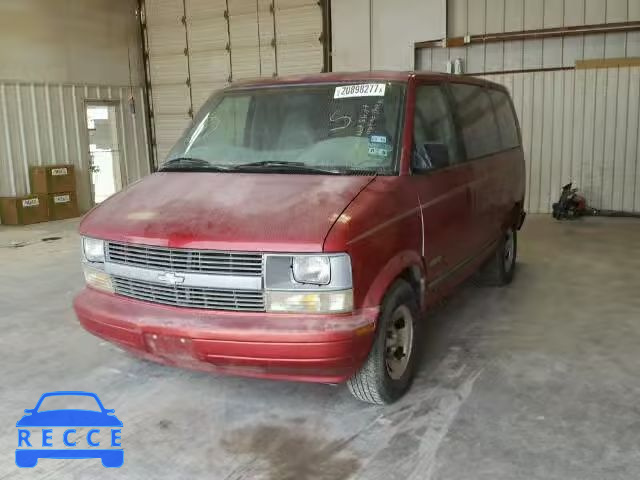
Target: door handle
93	168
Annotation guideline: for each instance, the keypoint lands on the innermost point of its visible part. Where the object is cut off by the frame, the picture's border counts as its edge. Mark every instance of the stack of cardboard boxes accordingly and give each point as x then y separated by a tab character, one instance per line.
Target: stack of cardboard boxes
53	197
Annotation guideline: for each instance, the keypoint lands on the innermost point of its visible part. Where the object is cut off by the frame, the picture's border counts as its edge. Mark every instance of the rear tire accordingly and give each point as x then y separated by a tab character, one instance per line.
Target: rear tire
500	267
389	369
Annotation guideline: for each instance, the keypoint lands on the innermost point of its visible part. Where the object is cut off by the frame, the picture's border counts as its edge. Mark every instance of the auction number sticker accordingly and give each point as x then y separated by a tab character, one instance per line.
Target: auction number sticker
62	199
59	171
360	90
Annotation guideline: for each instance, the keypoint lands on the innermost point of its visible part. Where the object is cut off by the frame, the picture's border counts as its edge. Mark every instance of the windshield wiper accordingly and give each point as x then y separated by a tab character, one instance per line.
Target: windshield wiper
285	166
188	164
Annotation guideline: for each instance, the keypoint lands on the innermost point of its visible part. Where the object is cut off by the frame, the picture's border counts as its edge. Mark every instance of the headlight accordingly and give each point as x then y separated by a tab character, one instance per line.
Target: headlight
319	283
312	269
93	249
97	279
310	302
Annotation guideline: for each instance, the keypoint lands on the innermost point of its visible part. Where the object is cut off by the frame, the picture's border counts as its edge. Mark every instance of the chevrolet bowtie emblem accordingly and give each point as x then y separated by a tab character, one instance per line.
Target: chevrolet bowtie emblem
170	278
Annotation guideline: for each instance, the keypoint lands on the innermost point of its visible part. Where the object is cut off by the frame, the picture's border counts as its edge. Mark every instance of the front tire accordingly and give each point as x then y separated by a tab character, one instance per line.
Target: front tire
389	369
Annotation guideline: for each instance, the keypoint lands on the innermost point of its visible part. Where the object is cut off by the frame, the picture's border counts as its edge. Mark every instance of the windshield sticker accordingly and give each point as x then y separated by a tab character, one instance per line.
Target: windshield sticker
360	90
379	150
378	139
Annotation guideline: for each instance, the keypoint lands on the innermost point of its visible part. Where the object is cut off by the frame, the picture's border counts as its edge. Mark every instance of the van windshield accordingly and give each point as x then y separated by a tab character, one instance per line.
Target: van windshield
345	129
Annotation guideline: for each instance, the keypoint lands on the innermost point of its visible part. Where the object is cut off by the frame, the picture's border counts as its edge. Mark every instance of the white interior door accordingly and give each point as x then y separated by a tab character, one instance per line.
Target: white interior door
104	149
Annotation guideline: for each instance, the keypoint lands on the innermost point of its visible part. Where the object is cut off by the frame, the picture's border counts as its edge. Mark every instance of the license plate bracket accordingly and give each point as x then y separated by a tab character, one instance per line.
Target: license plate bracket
169	345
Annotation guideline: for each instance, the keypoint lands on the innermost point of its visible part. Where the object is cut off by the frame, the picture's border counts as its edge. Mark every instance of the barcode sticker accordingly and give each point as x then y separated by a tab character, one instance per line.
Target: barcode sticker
56	172
61	199
360	90
30	202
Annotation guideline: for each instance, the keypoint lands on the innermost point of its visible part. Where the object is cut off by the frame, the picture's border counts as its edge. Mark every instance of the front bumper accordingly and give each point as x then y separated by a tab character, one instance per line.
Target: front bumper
313	348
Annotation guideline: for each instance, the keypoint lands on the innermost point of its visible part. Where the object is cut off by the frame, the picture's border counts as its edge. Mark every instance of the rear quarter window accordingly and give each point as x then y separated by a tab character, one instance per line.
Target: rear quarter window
505	116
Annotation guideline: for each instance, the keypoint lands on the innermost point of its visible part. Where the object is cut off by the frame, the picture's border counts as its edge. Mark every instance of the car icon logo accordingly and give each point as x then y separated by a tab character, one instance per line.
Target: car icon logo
93	432
170	278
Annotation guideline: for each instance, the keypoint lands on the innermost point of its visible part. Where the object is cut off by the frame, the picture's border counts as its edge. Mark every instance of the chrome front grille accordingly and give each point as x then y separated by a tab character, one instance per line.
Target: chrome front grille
192	297
185	260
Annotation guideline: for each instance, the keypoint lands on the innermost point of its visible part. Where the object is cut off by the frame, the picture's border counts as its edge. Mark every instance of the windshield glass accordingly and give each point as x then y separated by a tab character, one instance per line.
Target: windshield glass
337	128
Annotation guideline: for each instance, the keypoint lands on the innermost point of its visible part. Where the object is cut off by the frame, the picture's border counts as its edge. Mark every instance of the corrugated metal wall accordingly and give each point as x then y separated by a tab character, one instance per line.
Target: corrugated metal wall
530	54
42	124
473	17
580	126
577	125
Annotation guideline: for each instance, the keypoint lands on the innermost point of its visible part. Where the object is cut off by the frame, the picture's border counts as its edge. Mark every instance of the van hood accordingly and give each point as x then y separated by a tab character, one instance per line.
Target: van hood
226	211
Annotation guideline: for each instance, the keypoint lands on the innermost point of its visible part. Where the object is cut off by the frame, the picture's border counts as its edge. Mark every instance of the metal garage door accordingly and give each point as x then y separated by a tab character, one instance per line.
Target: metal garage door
298	26
208	53
168	70
194	47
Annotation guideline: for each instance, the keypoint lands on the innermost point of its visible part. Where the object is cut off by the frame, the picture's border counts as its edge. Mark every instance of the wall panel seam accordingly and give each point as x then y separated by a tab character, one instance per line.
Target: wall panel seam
23	141
7	136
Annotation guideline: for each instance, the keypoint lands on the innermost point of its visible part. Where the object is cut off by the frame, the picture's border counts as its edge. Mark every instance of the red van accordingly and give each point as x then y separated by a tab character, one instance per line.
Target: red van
302	226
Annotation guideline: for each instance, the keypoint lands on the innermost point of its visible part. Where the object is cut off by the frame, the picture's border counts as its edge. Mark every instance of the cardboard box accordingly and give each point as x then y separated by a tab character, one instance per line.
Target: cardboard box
23	210
52	179
62	205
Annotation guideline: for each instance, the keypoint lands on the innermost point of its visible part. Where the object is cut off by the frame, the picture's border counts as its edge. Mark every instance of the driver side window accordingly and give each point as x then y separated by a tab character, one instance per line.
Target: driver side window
435	144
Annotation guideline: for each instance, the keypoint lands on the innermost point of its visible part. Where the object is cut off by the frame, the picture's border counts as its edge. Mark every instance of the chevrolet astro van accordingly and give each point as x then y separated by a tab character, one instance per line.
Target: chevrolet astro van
302	227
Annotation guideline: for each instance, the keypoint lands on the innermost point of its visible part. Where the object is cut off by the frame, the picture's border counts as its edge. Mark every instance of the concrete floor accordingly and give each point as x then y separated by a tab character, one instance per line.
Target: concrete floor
539	380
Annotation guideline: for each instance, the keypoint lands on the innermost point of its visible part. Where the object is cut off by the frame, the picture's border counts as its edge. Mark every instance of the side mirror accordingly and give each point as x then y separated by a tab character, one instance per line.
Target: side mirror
435	155
109	411
28	410
438	153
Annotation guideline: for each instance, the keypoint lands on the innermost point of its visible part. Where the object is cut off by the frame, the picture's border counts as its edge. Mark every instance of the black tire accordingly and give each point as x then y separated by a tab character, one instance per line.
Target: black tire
501	266
373	383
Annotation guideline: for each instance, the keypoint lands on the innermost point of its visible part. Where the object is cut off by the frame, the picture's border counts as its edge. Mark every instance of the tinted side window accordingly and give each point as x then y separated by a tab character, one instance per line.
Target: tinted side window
477	121
435	144
505	116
